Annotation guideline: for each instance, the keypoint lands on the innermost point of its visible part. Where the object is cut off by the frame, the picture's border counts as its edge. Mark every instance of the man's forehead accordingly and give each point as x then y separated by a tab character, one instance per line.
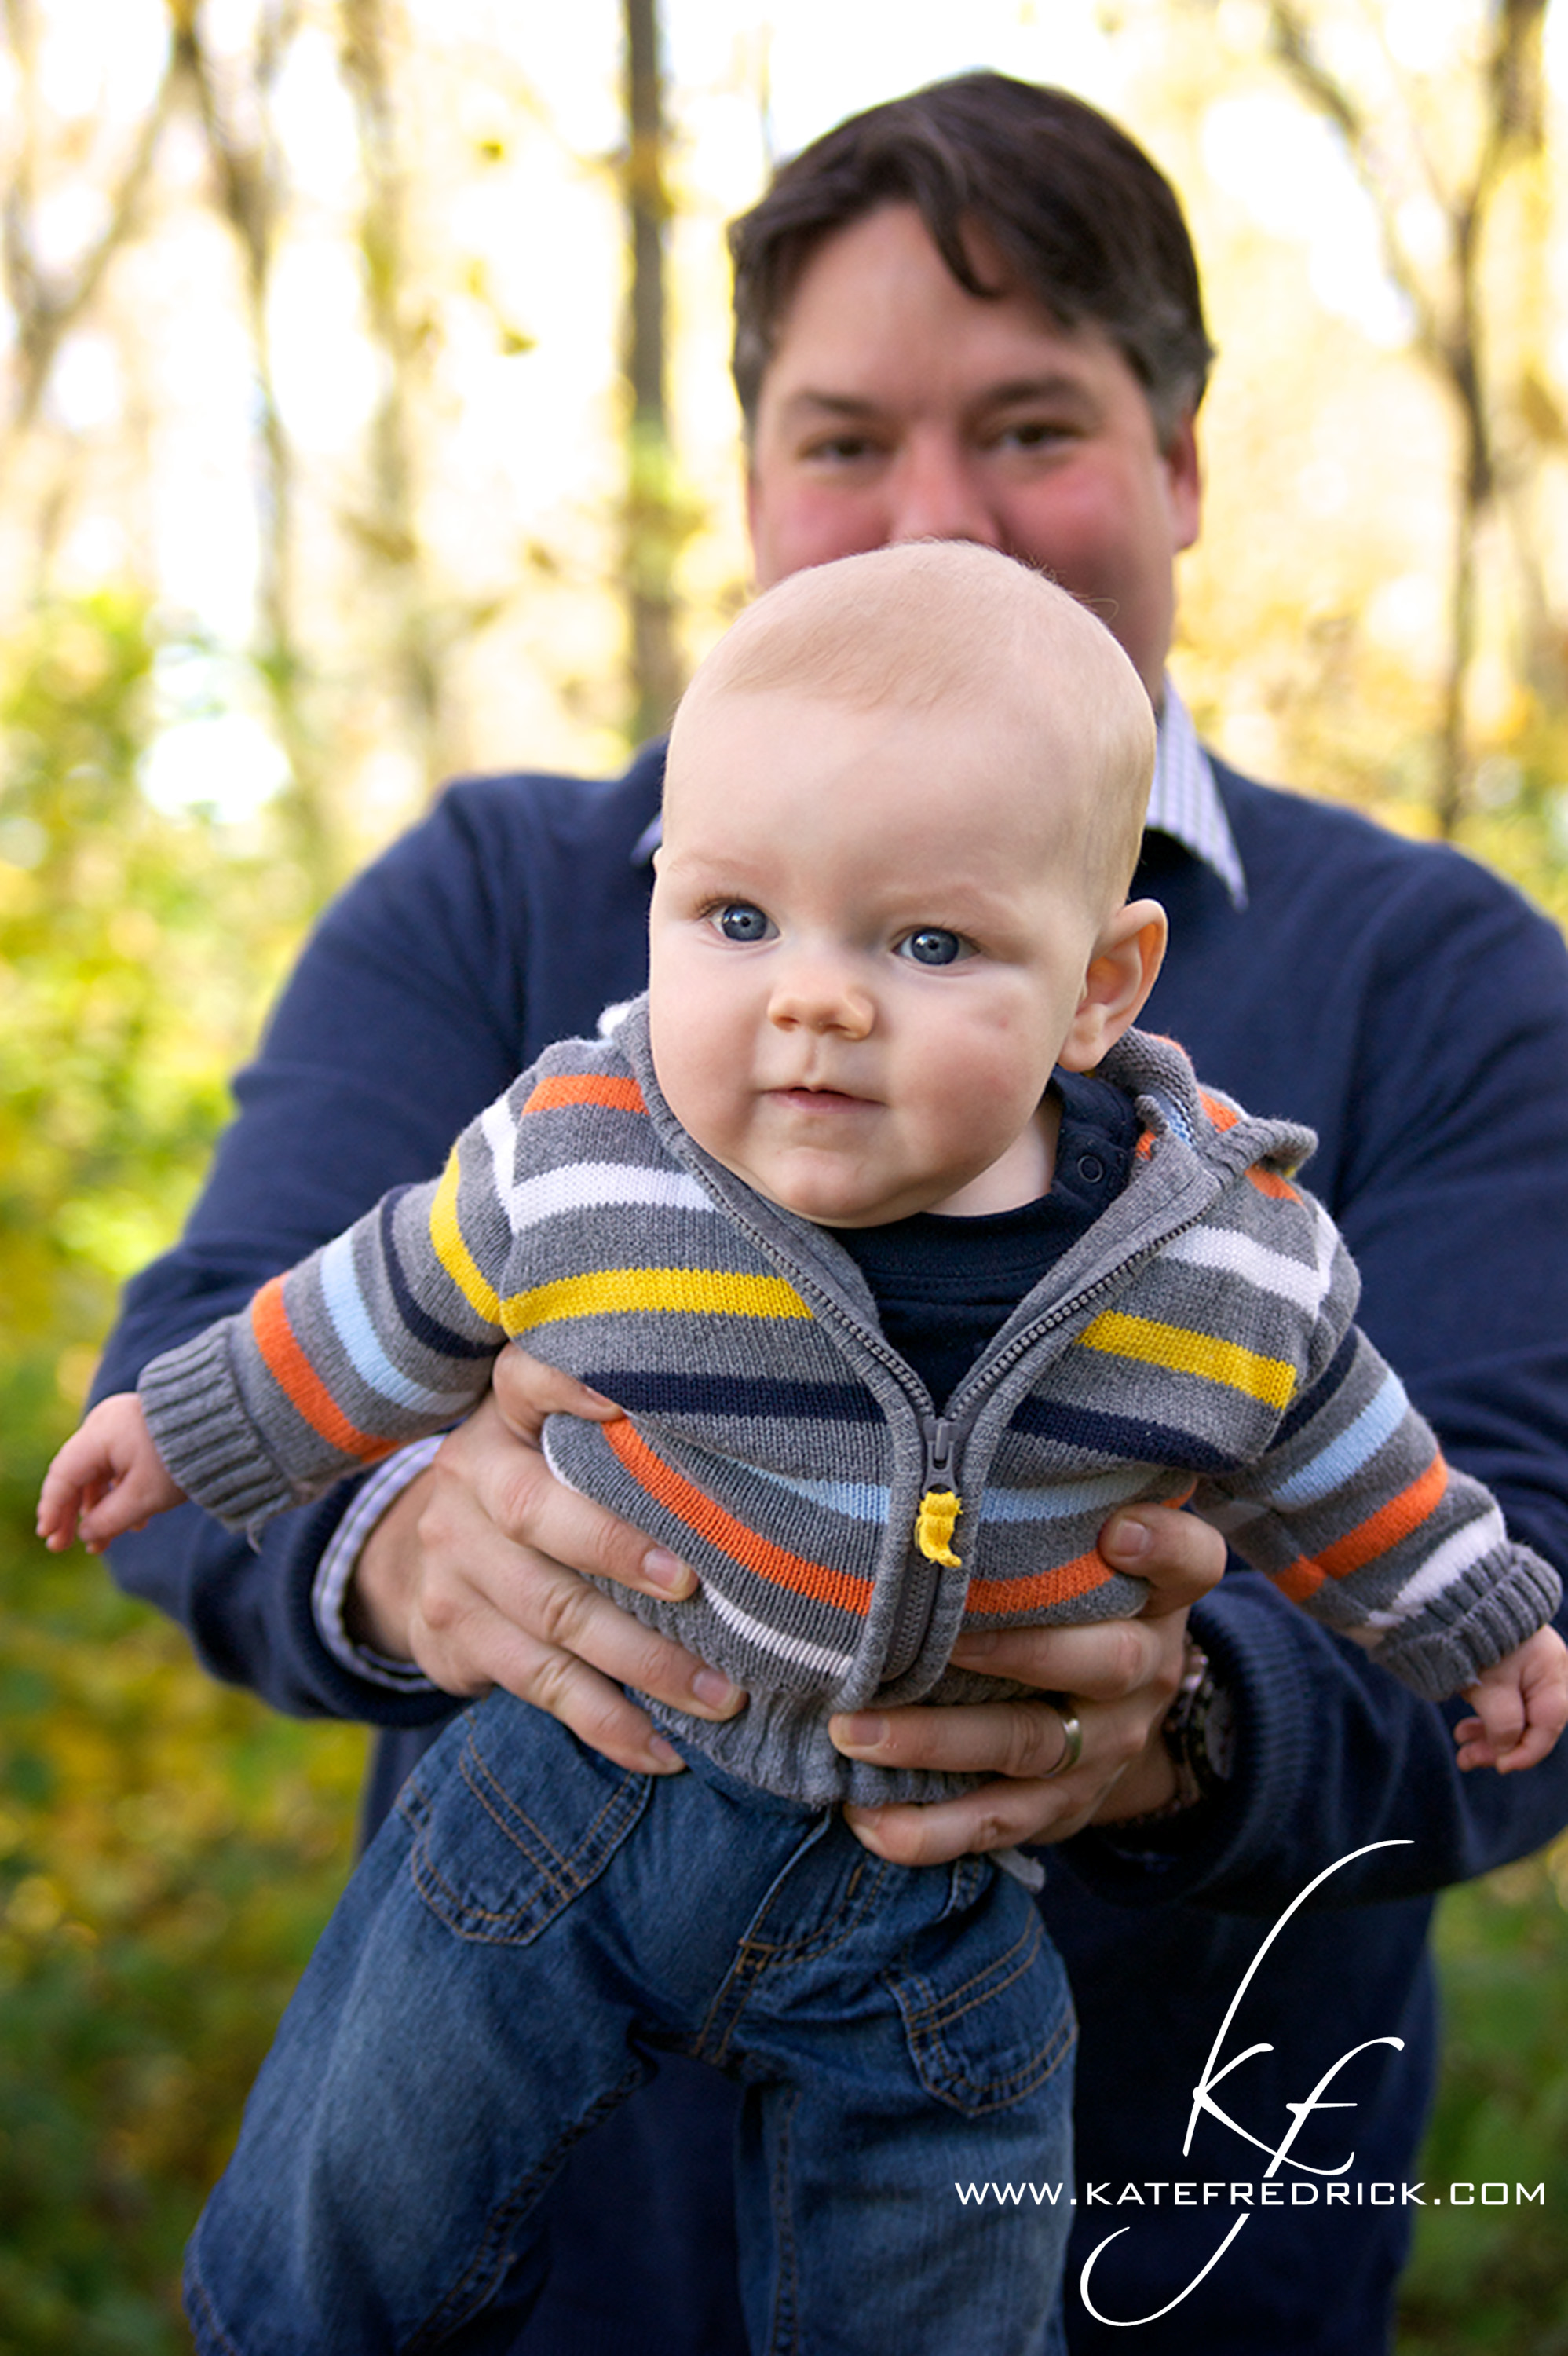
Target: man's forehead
839	335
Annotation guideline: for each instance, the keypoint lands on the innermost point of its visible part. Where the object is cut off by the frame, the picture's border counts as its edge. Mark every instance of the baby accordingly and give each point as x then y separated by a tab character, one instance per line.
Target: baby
908	1259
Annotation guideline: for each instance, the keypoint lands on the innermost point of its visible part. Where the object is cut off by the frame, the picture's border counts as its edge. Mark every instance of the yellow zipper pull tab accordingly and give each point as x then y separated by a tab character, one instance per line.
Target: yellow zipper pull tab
941	1506
939	1510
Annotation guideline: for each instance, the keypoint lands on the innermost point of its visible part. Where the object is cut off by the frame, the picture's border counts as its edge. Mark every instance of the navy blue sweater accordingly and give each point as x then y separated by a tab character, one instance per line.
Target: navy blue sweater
1415	1012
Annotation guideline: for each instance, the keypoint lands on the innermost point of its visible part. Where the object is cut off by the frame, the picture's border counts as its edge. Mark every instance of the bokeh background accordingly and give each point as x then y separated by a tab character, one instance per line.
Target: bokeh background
364	419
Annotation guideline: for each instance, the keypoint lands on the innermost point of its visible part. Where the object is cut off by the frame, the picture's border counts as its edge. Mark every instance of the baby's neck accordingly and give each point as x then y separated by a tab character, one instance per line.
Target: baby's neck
1022	1175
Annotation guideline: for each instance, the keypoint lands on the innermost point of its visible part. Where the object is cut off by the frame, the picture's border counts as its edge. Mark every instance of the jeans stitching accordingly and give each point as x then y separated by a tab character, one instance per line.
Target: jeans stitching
930	2015
560	1877
194	2290
784	2324
754	1957
493	2255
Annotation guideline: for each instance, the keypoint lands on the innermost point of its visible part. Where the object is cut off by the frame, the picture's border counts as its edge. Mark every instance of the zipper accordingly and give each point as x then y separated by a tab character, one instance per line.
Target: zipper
939	1434
930	1548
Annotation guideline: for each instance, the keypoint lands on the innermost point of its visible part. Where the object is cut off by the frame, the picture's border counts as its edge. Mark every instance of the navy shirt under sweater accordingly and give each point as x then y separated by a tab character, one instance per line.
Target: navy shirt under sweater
944	1285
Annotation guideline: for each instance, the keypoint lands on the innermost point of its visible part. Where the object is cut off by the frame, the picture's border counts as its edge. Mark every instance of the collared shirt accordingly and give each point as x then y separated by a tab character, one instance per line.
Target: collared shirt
1184	802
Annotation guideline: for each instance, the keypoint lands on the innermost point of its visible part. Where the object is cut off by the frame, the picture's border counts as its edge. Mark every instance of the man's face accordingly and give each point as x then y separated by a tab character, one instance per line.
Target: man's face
855	1011
898	407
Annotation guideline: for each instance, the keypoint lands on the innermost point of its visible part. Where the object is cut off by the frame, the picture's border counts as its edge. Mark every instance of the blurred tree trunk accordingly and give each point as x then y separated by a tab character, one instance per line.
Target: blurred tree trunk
653	521
47	304
388	528
1449	308
236	123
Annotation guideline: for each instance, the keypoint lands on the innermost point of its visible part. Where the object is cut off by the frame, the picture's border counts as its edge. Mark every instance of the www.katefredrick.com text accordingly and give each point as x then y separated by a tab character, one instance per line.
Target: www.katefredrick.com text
1271	2193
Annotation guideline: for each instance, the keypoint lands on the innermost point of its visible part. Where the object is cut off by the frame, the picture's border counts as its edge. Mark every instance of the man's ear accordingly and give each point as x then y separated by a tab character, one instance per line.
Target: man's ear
1127	957
1183	482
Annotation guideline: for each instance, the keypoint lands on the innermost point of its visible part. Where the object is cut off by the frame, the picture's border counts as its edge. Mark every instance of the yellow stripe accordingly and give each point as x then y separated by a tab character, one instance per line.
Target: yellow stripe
1270	1379
454	1253
613	1291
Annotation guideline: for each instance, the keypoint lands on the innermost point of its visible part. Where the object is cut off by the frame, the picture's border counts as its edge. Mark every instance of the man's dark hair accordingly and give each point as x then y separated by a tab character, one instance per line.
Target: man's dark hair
1076	210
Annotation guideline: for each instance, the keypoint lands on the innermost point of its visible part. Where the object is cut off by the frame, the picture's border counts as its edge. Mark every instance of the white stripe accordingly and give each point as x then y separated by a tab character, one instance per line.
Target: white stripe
769	1639
1230	1254
582	1186
1453	1556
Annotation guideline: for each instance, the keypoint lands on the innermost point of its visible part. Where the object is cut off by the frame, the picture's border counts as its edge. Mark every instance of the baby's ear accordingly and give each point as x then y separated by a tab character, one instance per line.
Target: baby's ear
1121	971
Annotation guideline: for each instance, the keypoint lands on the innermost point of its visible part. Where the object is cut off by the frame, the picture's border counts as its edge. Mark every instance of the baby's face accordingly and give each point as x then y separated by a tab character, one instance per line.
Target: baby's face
869	939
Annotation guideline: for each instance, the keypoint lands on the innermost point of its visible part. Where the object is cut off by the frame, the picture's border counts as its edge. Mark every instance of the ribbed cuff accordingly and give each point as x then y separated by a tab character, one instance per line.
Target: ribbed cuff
1492	1609
205	1437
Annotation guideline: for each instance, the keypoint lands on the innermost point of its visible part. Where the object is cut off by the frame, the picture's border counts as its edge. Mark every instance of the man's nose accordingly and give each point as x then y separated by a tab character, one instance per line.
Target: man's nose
936	493
821	993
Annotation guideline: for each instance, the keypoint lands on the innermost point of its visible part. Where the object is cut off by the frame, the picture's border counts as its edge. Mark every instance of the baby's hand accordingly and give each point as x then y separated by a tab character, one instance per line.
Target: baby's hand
105	1480
1521	1707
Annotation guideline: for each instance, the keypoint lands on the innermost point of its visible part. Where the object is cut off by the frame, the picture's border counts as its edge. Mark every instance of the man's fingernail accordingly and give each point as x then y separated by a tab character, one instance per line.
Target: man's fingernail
976	1647
665	1753
667	1572
1129	1539
860	1733
714	1690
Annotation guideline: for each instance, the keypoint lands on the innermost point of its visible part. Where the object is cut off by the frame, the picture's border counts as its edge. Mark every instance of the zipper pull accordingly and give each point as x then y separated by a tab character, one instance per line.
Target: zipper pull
941	1504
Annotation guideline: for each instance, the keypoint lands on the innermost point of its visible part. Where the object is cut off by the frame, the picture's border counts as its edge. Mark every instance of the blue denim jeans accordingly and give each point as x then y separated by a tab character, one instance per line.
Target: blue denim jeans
531	1927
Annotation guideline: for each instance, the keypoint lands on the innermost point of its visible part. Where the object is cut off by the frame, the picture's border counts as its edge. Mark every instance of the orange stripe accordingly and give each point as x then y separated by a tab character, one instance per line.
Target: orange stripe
300	1383
1269	1181
586	1088
1040	1588
1301	1580
1222	1115
1380	1534
818	1580
1145	1145
1036	1589
1385	1529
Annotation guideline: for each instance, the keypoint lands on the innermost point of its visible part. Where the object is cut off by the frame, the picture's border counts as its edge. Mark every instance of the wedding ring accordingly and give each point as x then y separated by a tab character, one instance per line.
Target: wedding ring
1072	1743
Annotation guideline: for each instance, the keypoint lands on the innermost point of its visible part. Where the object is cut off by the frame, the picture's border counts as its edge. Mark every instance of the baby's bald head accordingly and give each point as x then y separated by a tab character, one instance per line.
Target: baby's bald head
949	627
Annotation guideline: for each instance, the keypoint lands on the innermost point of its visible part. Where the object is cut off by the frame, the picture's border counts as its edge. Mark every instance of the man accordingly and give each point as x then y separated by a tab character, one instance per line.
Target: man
974	314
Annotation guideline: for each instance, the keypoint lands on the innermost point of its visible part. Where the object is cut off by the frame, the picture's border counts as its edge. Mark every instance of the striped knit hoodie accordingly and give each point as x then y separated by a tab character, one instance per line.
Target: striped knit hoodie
1196	1342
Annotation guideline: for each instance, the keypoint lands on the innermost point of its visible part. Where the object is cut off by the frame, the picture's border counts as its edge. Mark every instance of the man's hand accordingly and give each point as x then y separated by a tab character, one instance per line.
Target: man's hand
473	1575
1122	1676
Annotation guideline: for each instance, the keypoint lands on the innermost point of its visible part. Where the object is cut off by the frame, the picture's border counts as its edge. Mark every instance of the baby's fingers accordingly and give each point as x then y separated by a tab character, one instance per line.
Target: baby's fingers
1475	1749
59	1503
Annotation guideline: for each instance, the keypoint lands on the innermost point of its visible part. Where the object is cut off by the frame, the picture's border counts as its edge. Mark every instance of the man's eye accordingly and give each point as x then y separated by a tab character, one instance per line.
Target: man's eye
1032	434
839	450
738	920
932	945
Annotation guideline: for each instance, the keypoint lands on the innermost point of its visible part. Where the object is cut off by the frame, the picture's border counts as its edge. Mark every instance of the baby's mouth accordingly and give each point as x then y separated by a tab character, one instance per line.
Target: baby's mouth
812	1096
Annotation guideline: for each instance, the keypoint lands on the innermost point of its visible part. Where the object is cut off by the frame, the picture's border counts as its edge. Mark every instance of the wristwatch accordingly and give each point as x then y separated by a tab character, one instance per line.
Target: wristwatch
1200	1733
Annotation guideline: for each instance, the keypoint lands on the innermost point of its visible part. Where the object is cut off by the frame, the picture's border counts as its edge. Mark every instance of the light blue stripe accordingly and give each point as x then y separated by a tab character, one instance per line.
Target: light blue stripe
351	1324
1377	1421
857	1501
1101	1494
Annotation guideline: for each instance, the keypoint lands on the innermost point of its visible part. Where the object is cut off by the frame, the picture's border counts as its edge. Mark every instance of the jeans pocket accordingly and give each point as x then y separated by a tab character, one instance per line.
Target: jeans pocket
987	2010
511	1820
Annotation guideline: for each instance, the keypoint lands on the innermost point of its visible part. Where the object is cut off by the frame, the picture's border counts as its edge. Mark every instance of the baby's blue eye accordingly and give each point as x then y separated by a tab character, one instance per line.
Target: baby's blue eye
740	921
932	945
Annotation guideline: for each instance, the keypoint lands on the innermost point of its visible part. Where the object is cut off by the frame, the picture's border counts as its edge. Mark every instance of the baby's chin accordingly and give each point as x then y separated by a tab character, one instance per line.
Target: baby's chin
835	1198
